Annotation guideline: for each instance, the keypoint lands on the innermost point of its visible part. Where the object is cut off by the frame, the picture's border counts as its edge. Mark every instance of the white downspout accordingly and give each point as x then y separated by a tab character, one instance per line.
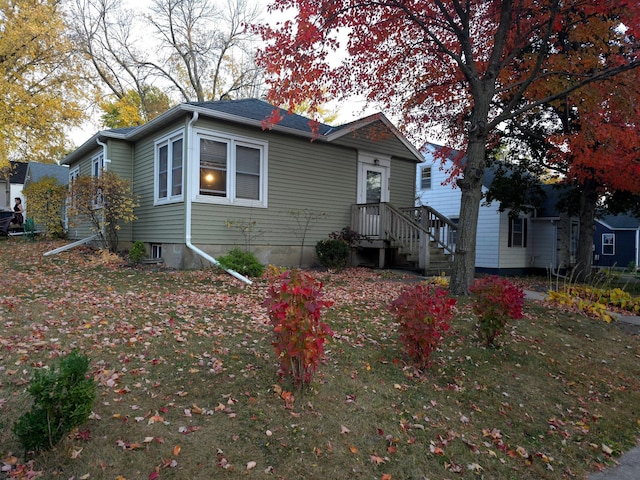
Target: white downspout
103	233
105	160
188	203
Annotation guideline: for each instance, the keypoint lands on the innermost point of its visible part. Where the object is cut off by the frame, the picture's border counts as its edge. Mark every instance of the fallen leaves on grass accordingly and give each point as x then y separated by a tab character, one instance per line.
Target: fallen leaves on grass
156	339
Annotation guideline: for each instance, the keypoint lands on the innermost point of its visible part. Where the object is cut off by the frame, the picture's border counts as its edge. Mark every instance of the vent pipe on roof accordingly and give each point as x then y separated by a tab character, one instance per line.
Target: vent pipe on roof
188	204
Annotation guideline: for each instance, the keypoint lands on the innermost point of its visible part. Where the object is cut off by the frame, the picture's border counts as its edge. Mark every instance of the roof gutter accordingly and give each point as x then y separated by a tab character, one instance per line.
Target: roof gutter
188	207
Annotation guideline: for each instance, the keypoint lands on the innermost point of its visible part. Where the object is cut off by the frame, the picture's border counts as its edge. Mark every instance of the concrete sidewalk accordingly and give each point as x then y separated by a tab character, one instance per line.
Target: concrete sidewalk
628	467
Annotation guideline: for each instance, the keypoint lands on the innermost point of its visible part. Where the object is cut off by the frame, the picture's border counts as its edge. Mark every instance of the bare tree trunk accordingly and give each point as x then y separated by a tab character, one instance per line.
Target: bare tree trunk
471	186
584	255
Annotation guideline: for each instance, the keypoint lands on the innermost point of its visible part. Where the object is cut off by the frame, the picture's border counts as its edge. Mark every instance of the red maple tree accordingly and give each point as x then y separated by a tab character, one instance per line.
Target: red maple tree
599	152
589	137
465	66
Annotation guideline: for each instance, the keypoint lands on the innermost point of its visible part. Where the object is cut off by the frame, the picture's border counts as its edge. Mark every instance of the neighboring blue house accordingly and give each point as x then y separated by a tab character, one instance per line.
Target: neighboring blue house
617	241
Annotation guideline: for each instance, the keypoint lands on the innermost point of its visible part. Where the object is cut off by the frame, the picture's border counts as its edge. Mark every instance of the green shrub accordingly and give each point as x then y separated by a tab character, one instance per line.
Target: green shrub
62	400
245	263
138	252
333	253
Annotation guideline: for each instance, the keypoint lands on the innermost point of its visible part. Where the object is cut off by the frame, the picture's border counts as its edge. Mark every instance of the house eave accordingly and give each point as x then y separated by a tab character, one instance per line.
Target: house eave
90	145
182	109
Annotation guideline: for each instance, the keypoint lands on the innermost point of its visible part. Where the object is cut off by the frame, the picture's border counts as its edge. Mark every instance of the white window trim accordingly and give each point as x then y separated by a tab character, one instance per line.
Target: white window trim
612	244
73	174
97	161
232	141
377	163
156	250
168	140
422	170
523	232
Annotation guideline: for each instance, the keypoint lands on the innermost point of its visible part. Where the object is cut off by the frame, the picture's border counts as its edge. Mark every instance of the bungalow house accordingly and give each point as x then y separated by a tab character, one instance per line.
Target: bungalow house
539	240
617	242
203	169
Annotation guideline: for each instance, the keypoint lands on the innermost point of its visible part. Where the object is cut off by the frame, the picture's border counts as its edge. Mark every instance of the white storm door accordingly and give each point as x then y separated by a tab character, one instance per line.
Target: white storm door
373	183
373	189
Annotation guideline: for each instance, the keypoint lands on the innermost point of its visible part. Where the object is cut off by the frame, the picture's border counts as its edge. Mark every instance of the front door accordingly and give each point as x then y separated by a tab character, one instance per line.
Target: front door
373	183
373	189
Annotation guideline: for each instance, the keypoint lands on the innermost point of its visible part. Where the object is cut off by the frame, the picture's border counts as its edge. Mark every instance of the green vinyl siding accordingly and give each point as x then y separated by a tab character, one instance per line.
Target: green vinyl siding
78	228
302	176
120	159
402	183
377	138
156	223
120	162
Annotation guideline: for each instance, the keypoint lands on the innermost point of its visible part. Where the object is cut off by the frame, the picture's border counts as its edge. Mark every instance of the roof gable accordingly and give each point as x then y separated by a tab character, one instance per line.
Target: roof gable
455	157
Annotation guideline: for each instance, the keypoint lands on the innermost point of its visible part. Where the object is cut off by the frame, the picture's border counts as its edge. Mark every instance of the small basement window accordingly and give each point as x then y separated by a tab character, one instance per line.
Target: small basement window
156	250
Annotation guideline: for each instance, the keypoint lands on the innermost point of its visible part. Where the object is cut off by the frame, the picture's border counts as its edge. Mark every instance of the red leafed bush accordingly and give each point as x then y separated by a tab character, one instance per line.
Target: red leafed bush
495	300
294	308
424	314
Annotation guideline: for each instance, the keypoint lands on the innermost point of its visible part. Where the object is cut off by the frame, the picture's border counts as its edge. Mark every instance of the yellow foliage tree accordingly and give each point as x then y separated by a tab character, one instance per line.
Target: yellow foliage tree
133	109
40	81
323	113
46	199
105	201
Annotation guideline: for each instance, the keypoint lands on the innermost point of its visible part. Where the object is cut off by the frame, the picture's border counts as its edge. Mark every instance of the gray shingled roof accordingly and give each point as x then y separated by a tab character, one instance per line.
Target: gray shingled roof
621	221
37	170
259	110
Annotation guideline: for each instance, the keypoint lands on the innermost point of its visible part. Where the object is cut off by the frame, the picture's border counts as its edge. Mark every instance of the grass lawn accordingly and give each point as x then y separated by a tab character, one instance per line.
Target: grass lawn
188	386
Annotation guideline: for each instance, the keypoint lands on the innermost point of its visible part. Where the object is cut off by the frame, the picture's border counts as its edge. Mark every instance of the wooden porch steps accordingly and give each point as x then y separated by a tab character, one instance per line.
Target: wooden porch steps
419	238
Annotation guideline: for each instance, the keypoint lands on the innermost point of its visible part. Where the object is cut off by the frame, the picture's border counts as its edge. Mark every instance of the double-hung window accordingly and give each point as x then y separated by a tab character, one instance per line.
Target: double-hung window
425	178
169	158
517	232
97	165
74	173
232	170
608	244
